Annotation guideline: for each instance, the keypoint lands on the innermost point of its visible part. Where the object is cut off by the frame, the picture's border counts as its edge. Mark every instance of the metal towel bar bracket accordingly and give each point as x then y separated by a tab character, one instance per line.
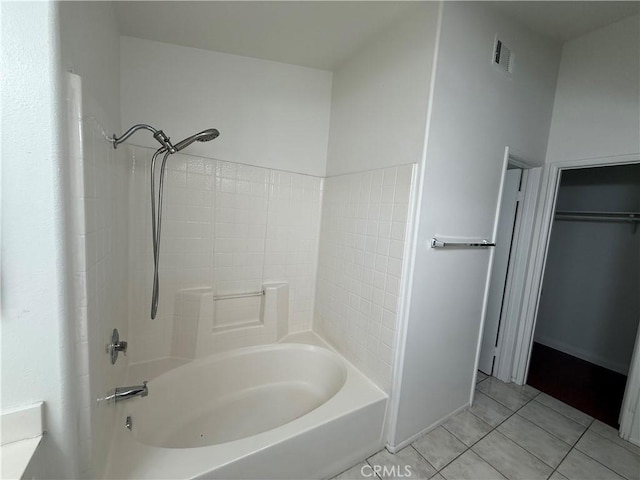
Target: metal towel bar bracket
435	243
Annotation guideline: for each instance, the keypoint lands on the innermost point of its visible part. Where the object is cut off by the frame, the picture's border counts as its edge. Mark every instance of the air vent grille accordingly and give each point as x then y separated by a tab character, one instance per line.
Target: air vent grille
503	56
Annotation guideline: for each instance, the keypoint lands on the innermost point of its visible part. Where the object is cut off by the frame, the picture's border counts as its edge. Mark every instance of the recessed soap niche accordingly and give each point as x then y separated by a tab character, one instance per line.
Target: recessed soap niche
206	324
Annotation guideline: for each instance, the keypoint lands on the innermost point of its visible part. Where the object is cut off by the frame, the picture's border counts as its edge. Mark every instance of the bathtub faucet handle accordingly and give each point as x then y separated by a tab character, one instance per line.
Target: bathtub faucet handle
121	346
116	346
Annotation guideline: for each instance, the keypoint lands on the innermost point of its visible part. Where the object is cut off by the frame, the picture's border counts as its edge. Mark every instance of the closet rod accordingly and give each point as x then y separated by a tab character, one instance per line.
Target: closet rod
627	217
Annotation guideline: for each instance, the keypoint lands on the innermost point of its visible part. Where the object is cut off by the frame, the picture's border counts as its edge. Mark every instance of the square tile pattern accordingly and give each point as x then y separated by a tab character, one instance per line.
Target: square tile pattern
362	246
511	432
234	227
227	226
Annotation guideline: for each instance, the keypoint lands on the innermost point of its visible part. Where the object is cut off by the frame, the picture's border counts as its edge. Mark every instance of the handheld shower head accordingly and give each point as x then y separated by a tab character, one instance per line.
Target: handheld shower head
204	136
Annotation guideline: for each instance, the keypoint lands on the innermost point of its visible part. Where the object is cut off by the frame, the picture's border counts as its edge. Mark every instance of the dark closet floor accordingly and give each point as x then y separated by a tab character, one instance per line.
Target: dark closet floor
590	388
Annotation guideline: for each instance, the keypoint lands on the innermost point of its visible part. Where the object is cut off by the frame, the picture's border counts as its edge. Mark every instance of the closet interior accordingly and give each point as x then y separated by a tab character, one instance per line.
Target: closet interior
589	309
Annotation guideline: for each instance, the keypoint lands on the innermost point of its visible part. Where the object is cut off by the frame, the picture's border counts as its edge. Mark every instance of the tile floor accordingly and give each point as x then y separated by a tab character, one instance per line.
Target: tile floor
512	432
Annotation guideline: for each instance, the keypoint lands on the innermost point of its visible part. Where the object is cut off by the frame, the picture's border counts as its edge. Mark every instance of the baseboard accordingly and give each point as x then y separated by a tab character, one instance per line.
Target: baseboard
411	439
583	355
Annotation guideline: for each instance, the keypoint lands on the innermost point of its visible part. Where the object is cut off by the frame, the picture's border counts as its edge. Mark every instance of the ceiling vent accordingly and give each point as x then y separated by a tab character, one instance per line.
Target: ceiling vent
503	56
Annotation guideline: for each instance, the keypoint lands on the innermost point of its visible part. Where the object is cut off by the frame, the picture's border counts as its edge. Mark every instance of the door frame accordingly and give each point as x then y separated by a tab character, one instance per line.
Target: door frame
516	273
525	323
514	294
538	255
508	278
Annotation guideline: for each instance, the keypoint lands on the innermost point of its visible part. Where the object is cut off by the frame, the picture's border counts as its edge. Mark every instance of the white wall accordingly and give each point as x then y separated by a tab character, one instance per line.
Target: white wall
379	97
36	350
90	47
476	111
98	208
269	114
595	113
589	306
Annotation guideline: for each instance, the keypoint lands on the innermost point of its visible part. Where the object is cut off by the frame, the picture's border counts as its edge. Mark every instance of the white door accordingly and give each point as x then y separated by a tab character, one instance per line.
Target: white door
495	301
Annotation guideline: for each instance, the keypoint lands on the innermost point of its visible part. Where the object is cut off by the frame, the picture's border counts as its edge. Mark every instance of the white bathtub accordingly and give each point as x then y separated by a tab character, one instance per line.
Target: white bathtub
287	410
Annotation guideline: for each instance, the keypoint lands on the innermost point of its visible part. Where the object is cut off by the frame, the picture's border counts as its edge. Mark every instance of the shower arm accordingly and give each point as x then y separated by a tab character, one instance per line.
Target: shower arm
159	135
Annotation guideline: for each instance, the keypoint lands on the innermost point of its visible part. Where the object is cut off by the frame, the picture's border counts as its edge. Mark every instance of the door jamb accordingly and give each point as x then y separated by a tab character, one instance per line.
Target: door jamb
514	294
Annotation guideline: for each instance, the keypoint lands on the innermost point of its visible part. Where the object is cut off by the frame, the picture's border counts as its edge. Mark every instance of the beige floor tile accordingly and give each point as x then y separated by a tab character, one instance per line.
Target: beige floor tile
613	456
407	463
611	433
510	459
577	466
467	427
566	410
355	472
469	466
503	393
527	390
553	422
488	410
548	448
439	447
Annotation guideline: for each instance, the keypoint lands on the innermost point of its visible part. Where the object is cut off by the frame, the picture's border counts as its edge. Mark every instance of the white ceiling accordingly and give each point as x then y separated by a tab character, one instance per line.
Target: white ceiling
322	34
314	34
566	20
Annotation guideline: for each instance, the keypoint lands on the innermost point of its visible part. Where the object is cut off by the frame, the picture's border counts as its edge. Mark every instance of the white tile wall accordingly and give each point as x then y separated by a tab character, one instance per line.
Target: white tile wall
240	214
293	230
362	244
99	189
227	226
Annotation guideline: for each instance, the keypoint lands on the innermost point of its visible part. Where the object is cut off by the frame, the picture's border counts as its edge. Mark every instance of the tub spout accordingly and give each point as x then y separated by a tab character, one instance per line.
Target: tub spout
124	393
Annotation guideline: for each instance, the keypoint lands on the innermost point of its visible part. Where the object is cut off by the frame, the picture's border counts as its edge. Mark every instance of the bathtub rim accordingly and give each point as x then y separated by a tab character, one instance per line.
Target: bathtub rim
130	459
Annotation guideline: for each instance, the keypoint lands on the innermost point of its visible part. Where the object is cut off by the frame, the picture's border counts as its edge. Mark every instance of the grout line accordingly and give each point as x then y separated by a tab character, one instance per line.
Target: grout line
572	447
153	149
570	450
575	447
530	399
493	428
567	416
375	475
513	441
422	456
454	458
551	433
517	445
637	454
532	453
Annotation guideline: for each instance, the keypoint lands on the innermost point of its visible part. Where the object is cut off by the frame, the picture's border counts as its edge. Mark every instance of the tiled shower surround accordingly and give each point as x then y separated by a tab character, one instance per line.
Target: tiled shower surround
233	227
228	226
362	245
